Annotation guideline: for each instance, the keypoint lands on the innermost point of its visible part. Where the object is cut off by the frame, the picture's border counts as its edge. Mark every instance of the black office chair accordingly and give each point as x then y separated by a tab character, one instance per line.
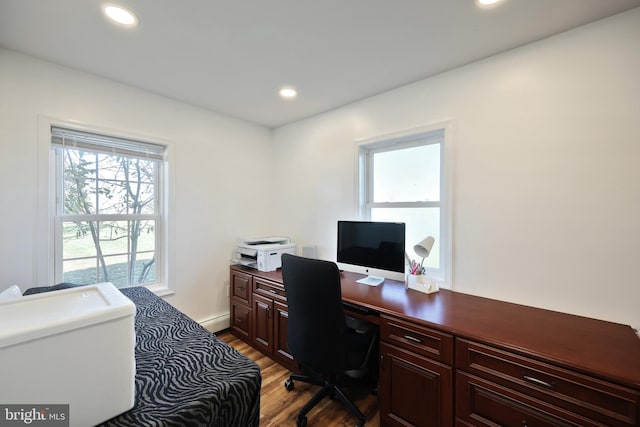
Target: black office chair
332	349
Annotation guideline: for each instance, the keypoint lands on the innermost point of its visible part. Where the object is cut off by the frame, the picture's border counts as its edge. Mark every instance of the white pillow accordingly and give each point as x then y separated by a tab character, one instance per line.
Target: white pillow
10	293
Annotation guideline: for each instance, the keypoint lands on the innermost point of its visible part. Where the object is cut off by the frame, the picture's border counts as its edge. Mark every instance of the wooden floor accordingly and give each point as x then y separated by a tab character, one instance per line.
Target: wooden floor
278	407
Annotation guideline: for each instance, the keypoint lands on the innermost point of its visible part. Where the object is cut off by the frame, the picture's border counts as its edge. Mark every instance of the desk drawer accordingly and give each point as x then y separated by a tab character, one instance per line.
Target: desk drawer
422	340
483	403
590	397
240	286
241	320
269	289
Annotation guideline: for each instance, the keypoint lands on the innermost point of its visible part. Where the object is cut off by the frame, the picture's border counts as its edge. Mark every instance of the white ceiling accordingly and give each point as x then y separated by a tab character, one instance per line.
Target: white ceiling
233	56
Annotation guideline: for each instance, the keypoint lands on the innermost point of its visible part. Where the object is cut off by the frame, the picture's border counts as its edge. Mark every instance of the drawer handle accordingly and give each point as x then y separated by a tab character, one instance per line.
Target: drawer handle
273	291
414	339
539	382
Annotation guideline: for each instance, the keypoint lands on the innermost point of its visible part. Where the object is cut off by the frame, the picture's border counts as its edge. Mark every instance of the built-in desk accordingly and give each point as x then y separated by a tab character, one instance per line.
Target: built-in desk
450	358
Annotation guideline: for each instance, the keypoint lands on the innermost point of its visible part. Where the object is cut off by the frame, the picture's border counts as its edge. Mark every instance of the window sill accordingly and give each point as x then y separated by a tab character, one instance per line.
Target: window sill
160	289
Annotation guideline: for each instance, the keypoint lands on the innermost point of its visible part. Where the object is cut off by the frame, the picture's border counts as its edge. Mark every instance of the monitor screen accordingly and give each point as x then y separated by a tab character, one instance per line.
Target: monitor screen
372	245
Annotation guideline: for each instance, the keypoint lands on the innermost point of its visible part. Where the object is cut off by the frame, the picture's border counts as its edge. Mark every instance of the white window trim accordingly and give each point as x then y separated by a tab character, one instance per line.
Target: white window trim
388	141
44	241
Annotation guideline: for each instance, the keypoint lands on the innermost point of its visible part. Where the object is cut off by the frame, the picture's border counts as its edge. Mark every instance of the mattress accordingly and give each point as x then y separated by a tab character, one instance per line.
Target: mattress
185	375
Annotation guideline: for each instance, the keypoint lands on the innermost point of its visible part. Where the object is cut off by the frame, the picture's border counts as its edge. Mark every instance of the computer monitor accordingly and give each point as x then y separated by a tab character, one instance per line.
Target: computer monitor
372	248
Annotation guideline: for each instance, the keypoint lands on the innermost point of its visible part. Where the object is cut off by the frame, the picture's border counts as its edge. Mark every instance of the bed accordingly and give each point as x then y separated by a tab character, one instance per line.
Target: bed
185	375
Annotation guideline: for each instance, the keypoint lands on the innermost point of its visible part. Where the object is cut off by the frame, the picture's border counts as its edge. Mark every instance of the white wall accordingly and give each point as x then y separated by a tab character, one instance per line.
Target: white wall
546	189
213	156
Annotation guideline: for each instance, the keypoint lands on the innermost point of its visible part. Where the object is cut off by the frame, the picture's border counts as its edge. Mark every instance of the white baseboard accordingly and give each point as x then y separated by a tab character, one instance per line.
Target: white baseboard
216	324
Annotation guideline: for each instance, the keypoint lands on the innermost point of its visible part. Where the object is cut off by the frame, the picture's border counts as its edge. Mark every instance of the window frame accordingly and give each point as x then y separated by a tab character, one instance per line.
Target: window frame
48	255
437	133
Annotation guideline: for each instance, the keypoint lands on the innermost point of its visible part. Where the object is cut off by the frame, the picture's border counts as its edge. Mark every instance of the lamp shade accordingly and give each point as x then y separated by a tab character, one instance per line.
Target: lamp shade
423	248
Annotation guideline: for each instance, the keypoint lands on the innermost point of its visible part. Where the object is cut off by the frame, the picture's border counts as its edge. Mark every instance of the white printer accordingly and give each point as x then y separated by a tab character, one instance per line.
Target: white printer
263	253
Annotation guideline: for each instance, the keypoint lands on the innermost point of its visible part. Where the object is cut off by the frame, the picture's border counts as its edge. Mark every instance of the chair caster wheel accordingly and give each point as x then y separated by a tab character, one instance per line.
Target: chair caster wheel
301	421
288	384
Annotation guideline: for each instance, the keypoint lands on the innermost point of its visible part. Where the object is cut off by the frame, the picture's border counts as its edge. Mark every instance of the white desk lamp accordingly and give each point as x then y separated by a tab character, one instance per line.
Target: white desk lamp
423	248
421	282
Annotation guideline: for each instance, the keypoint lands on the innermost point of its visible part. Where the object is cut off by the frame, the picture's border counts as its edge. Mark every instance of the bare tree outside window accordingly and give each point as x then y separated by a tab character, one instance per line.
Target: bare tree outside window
108	218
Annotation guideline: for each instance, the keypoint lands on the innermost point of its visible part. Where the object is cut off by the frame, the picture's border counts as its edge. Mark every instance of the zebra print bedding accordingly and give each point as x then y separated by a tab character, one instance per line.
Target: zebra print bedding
185	375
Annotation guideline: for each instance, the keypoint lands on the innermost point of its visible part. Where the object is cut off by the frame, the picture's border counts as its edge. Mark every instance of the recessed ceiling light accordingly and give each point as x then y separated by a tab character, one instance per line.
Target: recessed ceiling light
288	93
487	2
120	15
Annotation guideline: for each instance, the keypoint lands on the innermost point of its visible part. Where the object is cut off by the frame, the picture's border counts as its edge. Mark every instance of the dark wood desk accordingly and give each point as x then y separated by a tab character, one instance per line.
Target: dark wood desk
455	358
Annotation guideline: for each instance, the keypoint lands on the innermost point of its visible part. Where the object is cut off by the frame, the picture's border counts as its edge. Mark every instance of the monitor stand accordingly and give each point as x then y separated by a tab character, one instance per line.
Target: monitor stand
371	280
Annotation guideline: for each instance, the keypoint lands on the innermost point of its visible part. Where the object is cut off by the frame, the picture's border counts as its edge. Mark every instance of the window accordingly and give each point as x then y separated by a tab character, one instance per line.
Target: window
109	214
403	178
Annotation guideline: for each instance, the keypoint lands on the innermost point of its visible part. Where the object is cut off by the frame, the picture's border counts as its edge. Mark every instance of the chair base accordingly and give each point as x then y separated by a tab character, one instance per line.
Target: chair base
328	388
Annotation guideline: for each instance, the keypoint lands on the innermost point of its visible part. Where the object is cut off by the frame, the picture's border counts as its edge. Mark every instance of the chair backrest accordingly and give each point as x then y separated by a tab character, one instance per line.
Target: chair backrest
316	330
